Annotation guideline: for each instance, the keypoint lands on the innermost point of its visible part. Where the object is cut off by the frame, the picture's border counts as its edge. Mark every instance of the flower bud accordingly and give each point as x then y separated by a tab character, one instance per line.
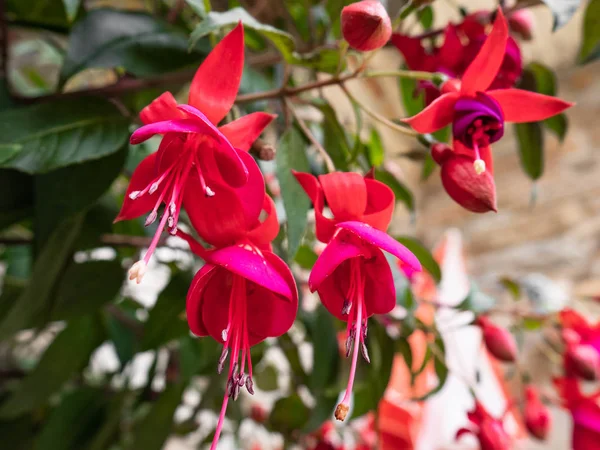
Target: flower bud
537	415
521	23
476	193
583	361
499	342
366	25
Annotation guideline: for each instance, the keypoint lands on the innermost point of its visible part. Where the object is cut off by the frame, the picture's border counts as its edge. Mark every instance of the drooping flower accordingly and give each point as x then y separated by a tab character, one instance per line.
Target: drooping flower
240	297
582	340
537	416
499	341
478	113
366	25
477	193
585	412
193	150
487	429
352	276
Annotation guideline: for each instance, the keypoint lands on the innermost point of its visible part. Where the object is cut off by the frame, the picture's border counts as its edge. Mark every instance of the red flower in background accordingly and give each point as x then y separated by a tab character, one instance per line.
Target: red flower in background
195	156
582	354
499	341
488	430
478	114
537	416
585	411
352	276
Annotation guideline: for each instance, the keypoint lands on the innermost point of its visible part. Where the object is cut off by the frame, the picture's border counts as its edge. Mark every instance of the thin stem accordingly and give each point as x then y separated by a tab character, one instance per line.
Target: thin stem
328	161
379	117
411	74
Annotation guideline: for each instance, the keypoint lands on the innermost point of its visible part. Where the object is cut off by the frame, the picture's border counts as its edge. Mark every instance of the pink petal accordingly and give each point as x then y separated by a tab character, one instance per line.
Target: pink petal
435	116
325	227
382	240
171	126
525	106
380	204
252	266
484	68
218	78
342	247
162	108
143	175
194	300
379	289
244	131
346	194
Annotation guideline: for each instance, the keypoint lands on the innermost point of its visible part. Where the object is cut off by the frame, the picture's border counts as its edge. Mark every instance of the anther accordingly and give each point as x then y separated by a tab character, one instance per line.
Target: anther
236	391
151	218
241	379
137	271
249	385
222	359
134	194
365	352
479	166
172	208
349	343
224	334
170	222
209	192
153	188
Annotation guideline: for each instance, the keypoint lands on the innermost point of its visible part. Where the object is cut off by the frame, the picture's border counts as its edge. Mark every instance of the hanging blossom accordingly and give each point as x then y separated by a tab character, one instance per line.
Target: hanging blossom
194	156
585	412
488	430
476	113
352	276
582	341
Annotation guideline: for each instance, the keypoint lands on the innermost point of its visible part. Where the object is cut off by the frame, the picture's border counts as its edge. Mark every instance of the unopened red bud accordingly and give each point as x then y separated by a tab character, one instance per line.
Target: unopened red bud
537	415
499	342
521	23
472	191
366	25
583	361
441	153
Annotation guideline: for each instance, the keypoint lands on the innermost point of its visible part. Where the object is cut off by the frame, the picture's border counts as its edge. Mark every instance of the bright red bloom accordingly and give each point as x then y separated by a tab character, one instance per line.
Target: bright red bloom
240	297
488	430
478	114
585	411
499	341
196	155
352	276
537	416
366	25
582	354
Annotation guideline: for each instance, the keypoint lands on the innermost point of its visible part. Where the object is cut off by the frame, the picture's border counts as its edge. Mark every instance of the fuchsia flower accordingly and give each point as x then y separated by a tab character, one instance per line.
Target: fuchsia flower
585	411
499	342
478	114
352	276
537	416
582	354
489	431
195	156
366	25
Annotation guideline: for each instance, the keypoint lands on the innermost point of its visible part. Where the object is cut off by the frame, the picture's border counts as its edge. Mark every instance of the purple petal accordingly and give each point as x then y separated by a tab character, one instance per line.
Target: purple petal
382	240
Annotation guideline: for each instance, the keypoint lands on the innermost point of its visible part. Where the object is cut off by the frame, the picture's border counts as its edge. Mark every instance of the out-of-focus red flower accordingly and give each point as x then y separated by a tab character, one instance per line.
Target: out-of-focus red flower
366	25
521	23
585	411
499	341
537	416
488	430
582	341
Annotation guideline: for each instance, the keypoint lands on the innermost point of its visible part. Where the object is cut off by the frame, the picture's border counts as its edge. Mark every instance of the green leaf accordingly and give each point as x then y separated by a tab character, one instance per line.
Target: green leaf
531	148
12	288
291	156
423	255
33	305
562	11
16	202
425	16
63	192
440	367
18	434
154	429
71	8
68	354
544	78
165	319
512	287
401	192
266	379
531	324
335	140
110	426
200	356
86	287
306	257
48	13
429	166
412	98
58	134
590	42
326	354
289	414
122	337
79	415
558	124
322	412
375	150
404	348
139	43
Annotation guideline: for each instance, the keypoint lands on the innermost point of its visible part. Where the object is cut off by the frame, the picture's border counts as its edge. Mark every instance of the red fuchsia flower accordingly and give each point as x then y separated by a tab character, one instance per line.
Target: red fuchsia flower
195	156
487	429
585	411
499	341
241	296
537	416
478	114
352	276
521	23
366	25
582	340
477	193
